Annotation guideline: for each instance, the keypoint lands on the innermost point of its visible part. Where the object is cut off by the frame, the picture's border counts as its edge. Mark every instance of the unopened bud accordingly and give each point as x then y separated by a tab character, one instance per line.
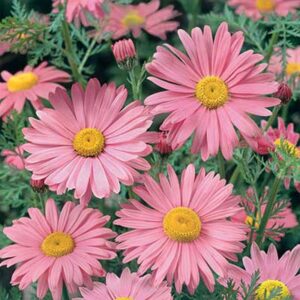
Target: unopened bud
163	146
125	54
284	93
38	185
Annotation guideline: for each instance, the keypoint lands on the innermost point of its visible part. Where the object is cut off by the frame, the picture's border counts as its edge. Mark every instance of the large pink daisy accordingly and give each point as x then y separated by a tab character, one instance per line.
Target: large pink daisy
256	9
274	273
89	144
32	84
128	287
210	90
58	249
133	18
185	234
78	10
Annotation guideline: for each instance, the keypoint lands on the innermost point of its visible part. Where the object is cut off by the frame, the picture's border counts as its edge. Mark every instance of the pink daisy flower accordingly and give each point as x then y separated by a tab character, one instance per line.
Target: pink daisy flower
284	219
273	138
77	10
185	234
73	148
256	9
275	273
133	18
128	287
14	159
58	249
210	91
32	84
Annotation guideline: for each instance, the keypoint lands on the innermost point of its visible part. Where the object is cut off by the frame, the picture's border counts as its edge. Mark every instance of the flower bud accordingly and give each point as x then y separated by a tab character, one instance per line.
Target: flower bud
284	93
38	185
163	146
125	54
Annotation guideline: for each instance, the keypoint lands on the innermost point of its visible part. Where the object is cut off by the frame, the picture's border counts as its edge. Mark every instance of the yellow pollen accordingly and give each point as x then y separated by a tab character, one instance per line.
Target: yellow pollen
292	68
265	5
58	244
89	142
212	92
132	19
288	147
22	81
124	298
249	221
266	287
182	224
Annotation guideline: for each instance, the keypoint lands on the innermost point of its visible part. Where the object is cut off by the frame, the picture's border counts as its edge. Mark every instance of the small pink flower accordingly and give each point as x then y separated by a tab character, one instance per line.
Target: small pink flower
128	286
284	219
274	273
183	233
210	91
284	93
77	10
256	9
124	53
133	18
15	159
32	84
90	143
38	185
58	249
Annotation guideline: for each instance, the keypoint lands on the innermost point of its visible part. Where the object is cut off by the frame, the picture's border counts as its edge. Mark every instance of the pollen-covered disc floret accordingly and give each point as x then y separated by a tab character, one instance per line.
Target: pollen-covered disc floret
288	147
292	68
212	92
182	224
266	287
265	5
58	244
249	221
22	81
89	142
132	19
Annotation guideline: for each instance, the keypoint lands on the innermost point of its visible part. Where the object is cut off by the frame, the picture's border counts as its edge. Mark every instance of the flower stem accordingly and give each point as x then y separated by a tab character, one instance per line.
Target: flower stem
196	9
273	41
268	211
221	165
87	54
273	117
65	294
235	175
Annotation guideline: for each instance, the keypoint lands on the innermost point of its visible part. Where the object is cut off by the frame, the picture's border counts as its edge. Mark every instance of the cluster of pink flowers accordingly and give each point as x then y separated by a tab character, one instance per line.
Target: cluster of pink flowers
186	229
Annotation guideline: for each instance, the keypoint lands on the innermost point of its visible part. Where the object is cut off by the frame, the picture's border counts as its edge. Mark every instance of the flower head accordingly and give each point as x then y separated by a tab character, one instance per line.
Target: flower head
58	249
256	9
32	84
275	273
128	287
284	93
78	10
14	159
185	233
210	90
133	18
124	53
90	143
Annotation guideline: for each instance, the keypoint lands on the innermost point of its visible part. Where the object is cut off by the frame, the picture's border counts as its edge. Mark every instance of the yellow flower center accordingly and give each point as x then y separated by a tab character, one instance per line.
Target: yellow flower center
249	221
58	244
124	298
22	81
132	19
212	92
288	147
89	142
292	68
265	5
182	224
266	287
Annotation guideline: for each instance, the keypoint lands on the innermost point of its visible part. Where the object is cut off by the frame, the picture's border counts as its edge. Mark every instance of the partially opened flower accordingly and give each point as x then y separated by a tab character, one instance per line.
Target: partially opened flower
133	18
184	234
128	287
90	143
58	249
256	9
31	84
78	10
124	53
210	91
275	273
284	219
14	159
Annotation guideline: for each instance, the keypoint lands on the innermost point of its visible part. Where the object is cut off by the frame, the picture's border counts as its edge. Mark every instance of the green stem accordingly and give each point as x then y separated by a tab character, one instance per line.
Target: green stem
268	211
65	293
285	111
235	175
69	52
273	41
273	117
221	165
196	9
87	54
